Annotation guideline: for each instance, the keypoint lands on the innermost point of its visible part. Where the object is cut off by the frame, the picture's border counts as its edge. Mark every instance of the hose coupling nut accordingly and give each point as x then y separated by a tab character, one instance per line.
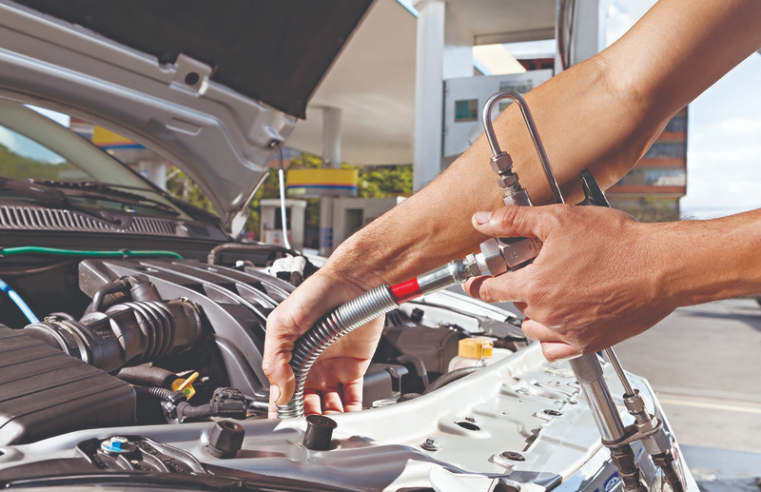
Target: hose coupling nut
501	163
508	180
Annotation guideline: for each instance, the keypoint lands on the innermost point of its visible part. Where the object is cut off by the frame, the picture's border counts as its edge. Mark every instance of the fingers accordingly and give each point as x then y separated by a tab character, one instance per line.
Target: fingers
553	346
331	401
516	221
537	331
312	402
278	370
352	396
506	287
559	351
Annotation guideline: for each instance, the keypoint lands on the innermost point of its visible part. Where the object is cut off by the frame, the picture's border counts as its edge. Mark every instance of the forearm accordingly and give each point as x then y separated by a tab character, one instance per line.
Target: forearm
434	225
703	261
600	115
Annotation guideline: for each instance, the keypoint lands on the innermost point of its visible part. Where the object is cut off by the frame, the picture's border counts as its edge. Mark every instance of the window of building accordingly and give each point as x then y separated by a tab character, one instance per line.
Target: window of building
666	177
661	150
677	124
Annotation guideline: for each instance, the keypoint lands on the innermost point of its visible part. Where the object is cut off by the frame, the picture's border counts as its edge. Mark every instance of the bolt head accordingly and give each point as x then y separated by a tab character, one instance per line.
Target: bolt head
501	163
431	444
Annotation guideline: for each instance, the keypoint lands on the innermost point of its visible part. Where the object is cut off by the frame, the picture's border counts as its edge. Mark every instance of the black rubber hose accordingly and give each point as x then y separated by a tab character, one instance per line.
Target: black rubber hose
190	412
450	377
161	393
119	285
246	248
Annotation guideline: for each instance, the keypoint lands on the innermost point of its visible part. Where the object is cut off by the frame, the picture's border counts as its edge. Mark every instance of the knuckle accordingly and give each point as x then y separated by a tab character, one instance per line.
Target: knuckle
509	216
486	292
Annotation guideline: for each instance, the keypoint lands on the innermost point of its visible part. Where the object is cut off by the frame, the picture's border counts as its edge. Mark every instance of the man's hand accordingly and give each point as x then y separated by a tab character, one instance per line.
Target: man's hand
335	380
596	281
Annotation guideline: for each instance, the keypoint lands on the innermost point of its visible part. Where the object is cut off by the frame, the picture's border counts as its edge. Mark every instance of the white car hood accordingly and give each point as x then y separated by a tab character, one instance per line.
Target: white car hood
208	88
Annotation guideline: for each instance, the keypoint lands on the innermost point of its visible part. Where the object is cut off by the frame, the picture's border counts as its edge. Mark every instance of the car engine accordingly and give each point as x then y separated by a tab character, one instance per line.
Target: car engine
143	346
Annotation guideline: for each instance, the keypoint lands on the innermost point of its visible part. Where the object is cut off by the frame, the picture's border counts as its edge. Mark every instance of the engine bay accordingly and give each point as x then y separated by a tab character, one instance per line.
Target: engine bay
125	334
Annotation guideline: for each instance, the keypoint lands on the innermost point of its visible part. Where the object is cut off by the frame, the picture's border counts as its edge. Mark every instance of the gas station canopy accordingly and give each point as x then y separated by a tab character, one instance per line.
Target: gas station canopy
373	81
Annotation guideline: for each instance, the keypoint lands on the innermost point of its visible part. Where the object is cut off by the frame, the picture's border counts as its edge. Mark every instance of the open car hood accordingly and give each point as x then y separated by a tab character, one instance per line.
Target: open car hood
208	88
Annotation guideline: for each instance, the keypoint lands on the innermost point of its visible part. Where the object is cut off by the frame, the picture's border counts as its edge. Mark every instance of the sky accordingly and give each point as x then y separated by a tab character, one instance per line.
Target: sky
724	128
724	132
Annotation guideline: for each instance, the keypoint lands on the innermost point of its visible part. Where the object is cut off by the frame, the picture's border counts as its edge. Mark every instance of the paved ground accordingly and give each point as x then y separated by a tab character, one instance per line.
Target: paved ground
704	362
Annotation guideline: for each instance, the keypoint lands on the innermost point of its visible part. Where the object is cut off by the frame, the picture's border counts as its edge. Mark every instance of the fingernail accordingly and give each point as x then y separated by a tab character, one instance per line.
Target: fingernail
482	217
275	393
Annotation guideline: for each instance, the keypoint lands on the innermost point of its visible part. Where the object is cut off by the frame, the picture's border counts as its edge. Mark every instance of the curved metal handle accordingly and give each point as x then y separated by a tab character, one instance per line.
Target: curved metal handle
494	143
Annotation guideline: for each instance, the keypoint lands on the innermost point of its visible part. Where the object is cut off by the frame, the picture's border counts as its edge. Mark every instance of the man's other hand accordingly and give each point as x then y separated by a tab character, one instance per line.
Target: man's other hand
595	282
335	380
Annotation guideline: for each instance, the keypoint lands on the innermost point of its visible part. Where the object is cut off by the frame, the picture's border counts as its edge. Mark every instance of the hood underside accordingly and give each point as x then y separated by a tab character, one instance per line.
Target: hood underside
274	52
209	88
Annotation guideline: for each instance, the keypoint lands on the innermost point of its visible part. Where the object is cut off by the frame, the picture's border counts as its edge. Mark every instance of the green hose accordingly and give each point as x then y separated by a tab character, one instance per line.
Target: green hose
23	250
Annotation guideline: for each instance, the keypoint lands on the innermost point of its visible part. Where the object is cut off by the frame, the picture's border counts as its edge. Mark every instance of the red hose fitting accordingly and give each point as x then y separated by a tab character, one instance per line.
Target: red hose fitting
406	291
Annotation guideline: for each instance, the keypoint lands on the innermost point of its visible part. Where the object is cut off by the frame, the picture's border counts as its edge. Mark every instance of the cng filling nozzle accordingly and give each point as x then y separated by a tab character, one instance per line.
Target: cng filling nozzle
498	256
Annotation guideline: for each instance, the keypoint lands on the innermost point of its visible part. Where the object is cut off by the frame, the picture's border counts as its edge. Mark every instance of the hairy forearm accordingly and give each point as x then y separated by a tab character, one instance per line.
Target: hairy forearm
600	115
703	261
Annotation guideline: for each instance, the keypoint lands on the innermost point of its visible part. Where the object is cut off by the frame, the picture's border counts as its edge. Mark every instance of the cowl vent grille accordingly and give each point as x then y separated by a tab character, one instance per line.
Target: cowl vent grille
47	219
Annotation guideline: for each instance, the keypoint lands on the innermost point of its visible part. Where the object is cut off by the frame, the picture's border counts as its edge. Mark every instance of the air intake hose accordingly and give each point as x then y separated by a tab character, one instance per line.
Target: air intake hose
129	333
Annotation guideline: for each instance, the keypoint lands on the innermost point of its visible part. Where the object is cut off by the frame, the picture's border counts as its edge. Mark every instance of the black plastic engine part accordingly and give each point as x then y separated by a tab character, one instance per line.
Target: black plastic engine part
382	382
434	347
44	392
226	439
319	432
226	402
147	375
234	304
127	333
450	377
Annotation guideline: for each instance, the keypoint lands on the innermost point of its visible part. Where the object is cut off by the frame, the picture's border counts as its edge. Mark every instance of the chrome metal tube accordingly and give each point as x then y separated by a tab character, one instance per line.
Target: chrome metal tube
589	374
533	132
613	359
339	322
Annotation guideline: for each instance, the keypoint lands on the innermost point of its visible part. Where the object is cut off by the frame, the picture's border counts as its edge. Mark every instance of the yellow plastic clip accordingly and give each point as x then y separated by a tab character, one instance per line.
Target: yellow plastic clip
475	348
185	385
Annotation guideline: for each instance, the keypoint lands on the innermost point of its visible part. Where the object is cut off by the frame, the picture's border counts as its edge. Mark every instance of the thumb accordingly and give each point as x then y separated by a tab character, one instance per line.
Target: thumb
517	221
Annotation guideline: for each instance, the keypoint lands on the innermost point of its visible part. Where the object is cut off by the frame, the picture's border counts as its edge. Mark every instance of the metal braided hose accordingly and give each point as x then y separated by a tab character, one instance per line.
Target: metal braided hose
342	320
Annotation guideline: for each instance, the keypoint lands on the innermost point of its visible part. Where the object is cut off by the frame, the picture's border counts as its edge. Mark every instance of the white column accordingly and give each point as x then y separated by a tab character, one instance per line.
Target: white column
154	171
589	26
428	91
444	50
331	137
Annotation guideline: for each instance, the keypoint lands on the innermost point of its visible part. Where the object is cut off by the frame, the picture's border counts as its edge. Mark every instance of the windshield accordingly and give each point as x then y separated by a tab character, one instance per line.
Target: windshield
34	147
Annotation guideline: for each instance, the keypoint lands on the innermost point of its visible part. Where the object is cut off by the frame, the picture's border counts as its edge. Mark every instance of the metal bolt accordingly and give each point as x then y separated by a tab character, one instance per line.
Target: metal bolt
431	444
552	413
512	456
470	418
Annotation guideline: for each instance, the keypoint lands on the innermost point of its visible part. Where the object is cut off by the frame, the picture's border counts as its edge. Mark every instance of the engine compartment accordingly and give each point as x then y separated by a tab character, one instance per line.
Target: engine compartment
144	326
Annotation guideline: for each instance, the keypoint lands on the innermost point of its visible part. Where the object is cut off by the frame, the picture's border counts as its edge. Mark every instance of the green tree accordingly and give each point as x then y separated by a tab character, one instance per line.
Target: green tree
374	182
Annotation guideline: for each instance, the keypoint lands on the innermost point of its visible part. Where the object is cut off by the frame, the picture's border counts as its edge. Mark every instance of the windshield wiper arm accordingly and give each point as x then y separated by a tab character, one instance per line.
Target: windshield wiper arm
77	471
45	195
103	191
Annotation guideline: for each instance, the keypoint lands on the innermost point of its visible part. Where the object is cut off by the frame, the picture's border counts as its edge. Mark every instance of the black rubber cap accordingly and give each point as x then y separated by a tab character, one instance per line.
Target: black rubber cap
319	432
226	439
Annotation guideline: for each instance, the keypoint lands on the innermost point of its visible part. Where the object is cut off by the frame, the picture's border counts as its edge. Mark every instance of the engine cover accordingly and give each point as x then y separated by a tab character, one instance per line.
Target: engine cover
44	392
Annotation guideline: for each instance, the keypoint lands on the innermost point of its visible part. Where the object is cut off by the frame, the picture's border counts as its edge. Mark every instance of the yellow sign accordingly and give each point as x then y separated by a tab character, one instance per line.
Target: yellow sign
316	182
106	139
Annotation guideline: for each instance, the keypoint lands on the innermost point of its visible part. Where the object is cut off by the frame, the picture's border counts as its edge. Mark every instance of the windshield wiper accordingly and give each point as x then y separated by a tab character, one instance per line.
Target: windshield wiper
47	196
100	191
77	471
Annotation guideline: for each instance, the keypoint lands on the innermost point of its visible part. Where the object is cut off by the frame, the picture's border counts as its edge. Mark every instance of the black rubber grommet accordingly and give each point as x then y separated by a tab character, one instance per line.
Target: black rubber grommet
319	432
226	439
